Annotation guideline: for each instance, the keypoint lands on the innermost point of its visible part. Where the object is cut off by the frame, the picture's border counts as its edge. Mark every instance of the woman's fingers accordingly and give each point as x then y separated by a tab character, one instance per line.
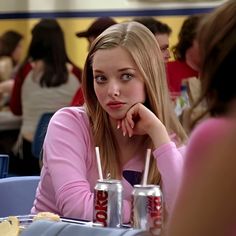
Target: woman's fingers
136	120
128	128
123	127
118	124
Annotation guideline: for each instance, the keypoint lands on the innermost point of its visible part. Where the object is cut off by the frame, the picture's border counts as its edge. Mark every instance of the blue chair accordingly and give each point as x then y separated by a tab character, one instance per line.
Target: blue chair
17	195
40	133
4	164
49	228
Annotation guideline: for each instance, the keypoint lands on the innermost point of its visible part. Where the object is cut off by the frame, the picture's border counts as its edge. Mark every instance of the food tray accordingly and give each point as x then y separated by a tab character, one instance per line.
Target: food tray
26	220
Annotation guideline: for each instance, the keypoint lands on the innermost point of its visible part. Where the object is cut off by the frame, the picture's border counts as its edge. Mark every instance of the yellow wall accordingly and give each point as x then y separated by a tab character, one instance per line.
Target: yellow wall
77	47
75	11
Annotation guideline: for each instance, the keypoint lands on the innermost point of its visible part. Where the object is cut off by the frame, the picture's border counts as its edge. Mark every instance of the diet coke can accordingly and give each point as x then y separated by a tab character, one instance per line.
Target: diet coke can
147	208
108	203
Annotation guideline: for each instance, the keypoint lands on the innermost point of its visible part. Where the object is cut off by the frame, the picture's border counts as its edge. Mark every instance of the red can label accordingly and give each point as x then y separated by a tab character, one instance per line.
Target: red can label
147	209
101	207
154	211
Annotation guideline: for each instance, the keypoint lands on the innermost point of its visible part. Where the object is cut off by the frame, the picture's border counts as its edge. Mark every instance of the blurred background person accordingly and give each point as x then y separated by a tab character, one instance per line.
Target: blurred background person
10	56
45	83
161	31
206	202
96	28
185	54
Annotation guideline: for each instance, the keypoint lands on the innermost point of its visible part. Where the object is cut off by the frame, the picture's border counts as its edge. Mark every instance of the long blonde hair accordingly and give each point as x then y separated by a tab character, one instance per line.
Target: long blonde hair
143	47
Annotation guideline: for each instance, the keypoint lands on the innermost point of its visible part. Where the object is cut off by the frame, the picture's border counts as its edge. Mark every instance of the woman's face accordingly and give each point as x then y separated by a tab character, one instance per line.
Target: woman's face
118	82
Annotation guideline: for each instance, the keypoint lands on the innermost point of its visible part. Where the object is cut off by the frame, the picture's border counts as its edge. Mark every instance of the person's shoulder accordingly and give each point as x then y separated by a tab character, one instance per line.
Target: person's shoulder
70	115
175	67
212	146
211	143
214	126
212	131
6	63
77	111
5	60
174	64
6	68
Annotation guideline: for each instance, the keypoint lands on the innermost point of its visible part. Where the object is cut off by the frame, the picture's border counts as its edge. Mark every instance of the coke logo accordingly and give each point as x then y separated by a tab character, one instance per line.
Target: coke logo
101	201
155	214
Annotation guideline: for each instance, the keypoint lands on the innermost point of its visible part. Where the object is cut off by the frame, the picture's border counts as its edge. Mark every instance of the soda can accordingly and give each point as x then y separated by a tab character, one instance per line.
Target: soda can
108	203
147	208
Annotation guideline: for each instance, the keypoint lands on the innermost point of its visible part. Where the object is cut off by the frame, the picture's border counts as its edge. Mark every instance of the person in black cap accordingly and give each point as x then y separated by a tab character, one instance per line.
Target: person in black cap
96	28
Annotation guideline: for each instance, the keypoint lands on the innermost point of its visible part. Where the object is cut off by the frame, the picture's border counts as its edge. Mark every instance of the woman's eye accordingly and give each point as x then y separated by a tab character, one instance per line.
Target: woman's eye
100	79
127	77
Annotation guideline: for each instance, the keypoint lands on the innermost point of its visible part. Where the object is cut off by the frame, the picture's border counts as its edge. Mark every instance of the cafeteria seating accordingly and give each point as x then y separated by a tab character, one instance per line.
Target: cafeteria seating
17	195
40	133
4	164
50	228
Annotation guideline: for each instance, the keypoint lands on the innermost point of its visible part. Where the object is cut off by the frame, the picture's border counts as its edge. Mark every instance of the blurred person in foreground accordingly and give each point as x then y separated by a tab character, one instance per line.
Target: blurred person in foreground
161	31
206	201
126	105
46	82
96	28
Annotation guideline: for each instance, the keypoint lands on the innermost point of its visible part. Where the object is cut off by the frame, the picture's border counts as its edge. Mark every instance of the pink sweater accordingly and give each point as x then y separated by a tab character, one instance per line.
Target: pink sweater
70	171
220	168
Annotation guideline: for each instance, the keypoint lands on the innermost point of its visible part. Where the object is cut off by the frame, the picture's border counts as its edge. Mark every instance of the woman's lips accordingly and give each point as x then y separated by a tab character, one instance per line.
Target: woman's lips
115	105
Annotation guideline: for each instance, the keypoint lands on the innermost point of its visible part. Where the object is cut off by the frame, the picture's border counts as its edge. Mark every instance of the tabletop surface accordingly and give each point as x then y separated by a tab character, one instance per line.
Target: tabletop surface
8	121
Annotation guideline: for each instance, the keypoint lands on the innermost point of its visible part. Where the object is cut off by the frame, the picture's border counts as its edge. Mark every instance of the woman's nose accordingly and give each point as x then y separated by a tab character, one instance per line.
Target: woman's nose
113	90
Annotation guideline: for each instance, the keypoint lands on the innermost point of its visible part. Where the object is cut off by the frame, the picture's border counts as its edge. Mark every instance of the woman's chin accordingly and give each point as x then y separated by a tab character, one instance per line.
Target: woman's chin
117	116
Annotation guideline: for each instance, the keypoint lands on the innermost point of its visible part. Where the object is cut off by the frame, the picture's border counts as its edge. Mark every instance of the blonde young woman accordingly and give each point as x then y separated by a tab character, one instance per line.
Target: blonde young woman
127	111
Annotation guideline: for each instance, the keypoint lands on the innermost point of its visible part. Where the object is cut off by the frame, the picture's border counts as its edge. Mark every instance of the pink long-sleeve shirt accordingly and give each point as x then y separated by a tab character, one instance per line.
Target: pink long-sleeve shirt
204	170
69	173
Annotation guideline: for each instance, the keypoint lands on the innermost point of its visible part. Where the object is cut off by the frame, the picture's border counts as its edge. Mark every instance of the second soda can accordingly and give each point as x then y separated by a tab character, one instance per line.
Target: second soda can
108	203
147	208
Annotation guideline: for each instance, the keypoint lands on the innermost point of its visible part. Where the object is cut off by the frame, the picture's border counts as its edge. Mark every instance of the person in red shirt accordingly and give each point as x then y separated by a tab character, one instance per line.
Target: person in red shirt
186	57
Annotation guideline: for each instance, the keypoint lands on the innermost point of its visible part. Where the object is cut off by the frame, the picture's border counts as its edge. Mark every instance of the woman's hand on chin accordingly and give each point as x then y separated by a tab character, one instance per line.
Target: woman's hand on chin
139	120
